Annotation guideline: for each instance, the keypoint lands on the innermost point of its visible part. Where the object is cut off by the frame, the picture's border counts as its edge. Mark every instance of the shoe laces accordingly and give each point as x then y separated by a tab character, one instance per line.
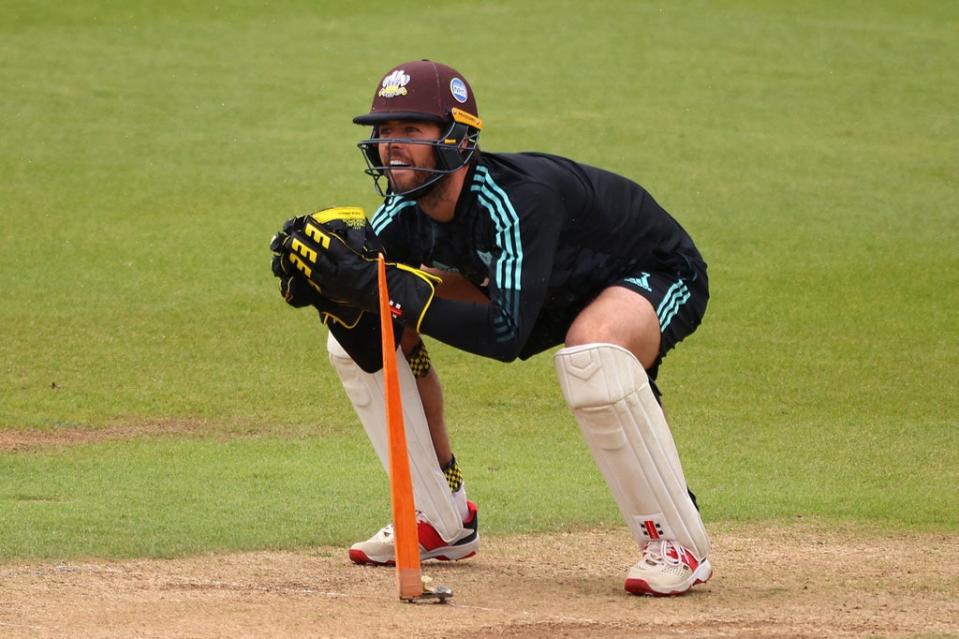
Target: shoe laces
666	552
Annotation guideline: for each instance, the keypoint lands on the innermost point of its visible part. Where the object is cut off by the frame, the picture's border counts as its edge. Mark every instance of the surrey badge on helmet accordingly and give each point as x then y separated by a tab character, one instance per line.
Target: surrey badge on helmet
394	84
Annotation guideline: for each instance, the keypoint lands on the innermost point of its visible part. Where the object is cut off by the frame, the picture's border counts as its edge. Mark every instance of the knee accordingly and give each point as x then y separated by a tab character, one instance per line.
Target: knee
645	350
582	333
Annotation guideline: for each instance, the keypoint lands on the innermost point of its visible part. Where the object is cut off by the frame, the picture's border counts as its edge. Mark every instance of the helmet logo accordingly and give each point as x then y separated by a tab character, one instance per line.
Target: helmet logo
394	84
458	89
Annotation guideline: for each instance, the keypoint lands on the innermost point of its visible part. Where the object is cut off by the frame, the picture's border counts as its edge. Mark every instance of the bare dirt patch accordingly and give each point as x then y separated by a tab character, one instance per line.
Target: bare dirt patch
20	440
798	580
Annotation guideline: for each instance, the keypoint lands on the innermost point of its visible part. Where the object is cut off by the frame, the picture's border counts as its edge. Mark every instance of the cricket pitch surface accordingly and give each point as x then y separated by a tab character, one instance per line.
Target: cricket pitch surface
786	580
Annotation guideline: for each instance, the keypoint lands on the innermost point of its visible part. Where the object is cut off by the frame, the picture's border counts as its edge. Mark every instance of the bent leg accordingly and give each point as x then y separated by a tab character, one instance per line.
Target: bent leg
609	394
624	318
431	490
603	376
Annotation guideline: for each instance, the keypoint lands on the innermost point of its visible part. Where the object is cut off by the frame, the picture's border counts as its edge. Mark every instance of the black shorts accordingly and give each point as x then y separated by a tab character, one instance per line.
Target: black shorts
680	303
679	300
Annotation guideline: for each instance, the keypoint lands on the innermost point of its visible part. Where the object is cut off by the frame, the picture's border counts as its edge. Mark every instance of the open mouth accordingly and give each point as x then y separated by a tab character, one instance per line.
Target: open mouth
399	164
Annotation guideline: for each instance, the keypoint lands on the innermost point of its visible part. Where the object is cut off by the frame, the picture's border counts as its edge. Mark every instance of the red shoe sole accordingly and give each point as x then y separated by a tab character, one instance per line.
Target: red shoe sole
360	557
641	587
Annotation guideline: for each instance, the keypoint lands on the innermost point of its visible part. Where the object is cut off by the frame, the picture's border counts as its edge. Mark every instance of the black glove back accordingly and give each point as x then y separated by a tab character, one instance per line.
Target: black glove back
296	289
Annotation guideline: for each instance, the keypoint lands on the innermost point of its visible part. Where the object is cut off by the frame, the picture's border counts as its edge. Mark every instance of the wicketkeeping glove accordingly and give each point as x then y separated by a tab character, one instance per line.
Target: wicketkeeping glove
349	223
343	267
298	291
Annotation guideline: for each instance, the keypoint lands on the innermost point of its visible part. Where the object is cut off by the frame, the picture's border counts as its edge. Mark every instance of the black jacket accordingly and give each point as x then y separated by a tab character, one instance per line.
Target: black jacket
542	236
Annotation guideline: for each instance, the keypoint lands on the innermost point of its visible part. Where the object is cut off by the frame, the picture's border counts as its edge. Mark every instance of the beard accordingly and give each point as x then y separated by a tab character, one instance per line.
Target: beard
405	180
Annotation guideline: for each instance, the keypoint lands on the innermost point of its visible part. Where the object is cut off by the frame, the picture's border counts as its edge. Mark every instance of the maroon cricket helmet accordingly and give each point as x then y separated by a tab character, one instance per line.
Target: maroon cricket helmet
422	90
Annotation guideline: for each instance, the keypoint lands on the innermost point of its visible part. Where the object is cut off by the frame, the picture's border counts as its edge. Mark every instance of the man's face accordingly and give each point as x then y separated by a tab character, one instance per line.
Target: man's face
402	156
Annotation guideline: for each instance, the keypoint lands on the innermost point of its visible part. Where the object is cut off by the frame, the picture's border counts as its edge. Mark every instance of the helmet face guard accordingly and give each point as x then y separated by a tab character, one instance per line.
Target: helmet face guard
452	150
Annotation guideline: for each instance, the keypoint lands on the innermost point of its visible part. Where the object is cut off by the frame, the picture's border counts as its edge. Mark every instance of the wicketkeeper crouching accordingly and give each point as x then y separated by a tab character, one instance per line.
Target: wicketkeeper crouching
328	260
505	256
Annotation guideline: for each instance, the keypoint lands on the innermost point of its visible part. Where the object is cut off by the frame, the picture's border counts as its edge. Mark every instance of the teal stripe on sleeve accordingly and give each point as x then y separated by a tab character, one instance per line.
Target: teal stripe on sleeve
507	272
388	212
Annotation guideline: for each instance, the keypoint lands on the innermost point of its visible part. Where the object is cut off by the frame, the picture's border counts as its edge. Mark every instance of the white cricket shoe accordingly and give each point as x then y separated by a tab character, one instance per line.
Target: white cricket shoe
379	550
666	569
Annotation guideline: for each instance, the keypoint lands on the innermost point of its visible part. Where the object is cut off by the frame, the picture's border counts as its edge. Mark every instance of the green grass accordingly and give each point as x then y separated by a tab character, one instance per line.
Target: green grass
150	150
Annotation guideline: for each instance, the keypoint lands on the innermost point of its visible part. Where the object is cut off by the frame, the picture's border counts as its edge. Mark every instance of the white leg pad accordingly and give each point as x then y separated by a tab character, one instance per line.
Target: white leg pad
431	491
626	430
